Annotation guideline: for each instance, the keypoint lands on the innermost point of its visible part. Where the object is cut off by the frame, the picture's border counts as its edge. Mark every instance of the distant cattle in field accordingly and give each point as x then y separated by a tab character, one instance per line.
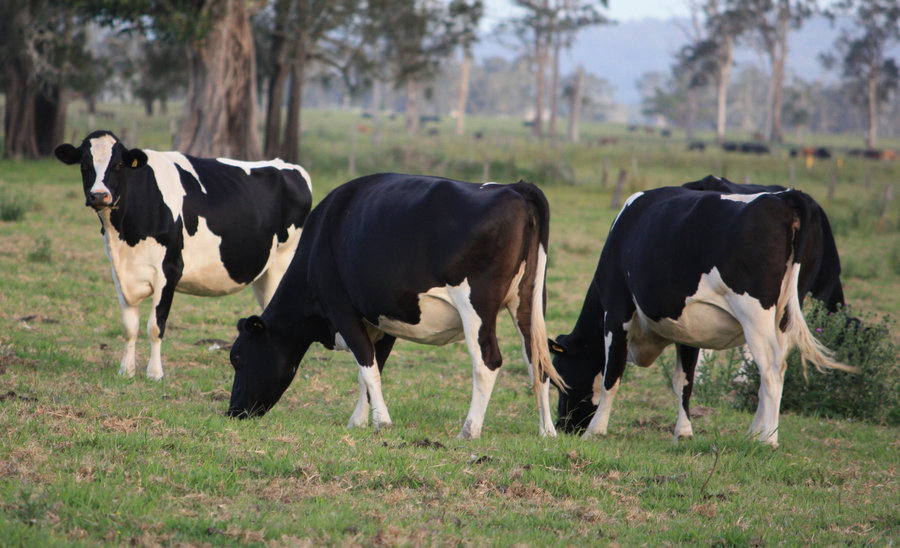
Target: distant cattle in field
697	145
666	133
745	147
172	222
757	136
700	270
391	256
603	141
820	153
873	154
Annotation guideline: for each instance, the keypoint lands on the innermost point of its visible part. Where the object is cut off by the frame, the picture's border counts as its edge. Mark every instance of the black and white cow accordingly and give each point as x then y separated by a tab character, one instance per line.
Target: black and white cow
820	274
425	259
171	222
701	270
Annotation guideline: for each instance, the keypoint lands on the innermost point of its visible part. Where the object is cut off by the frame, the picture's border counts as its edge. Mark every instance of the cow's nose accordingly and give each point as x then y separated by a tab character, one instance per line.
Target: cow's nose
99	198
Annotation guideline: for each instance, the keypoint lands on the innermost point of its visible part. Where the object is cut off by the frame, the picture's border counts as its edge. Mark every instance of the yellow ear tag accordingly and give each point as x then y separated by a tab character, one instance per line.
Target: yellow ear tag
134	163
557	348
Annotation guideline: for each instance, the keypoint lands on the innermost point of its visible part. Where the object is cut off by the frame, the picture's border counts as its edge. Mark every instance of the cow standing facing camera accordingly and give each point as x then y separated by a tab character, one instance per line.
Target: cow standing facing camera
172	222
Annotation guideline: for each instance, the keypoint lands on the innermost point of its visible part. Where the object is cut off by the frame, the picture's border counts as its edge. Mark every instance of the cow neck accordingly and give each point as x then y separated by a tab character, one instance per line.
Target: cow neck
293	314
588	329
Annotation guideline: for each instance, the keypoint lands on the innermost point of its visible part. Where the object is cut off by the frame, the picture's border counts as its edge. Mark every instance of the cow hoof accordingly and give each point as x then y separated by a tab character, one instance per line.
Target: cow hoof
589	435
357	423
383	425
154	376
126	373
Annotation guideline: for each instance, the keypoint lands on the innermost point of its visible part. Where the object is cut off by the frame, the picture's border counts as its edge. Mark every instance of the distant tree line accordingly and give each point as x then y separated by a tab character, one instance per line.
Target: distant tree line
700	90
239	64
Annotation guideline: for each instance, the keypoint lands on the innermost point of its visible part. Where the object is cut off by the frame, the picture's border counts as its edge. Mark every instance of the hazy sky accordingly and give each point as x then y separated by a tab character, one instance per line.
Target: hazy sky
620	10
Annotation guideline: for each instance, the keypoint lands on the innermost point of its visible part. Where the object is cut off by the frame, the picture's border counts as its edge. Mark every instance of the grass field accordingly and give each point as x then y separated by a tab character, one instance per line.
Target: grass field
87	457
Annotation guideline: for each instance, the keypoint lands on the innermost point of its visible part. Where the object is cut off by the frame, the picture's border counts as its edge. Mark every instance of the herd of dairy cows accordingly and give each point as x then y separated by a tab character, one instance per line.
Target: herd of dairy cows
708	265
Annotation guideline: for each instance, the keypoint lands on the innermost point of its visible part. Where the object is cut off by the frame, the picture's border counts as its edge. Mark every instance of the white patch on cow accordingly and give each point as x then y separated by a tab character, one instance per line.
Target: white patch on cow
168	180
628	202
277	163
711	318
204	272
101	153
439	320
746	198
489	183
181	161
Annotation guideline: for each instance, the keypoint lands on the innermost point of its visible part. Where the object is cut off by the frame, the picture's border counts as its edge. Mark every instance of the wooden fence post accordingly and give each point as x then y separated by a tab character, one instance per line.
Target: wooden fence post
888	196
616	202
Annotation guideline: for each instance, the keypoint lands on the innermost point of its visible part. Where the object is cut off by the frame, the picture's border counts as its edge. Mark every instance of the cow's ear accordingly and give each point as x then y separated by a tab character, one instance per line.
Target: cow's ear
68	154
556	347
254	325
135	158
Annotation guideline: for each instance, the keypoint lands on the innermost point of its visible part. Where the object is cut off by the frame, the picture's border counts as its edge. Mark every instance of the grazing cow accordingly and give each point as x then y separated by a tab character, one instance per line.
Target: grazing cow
172	222
701	270
425	259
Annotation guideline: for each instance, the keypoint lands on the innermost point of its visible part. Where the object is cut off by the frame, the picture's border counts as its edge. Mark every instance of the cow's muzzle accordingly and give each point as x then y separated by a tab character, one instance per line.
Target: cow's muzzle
98	200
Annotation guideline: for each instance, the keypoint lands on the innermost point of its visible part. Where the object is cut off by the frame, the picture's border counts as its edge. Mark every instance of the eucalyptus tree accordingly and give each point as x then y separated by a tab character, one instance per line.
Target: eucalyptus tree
862	54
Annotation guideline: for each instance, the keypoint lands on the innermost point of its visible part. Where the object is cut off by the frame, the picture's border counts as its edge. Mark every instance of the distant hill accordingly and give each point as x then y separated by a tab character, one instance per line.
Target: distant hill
621	53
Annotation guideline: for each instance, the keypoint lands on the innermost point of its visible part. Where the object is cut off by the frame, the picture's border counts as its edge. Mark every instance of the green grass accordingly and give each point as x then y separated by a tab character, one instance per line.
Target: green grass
87	457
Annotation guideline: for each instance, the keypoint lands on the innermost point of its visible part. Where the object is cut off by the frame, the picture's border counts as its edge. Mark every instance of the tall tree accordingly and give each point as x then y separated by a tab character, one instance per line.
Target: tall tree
714	54
769	21
861	54
220	116
466	14
298	32
547	27
42	48
416	35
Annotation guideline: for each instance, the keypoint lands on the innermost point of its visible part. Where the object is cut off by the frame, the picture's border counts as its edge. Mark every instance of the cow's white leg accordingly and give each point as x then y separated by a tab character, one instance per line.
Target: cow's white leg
371	380
483	377
607	383
600	421
547	428
131	320
360	416
769	357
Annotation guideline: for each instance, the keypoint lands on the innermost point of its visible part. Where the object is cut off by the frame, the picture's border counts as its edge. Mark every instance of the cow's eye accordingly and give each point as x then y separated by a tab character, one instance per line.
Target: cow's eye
119	166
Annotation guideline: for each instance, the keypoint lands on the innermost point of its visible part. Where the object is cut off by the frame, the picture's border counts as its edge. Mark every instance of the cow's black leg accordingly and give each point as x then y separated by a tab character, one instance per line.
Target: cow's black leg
605	389
683	385
360	415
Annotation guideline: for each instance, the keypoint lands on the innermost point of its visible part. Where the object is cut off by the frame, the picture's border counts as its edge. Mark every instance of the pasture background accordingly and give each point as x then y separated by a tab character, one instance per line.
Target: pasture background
88	457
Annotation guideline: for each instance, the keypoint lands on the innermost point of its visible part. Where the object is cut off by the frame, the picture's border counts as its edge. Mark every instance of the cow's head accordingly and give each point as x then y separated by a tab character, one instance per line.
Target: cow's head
265	362
104	162
578	364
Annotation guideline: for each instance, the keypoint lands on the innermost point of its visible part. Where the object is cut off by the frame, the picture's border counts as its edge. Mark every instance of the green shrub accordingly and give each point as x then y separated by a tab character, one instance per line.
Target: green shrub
12	206
873	395
41	252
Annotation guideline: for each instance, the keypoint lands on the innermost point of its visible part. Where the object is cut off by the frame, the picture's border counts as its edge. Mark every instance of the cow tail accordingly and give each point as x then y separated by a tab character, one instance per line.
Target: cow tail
794	324
542	363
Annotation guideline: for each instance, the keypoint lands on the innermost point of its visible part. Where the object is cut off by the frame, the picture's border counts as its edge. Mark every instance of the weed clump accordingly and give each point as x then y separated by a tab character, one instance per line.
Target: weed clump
873	395
12	206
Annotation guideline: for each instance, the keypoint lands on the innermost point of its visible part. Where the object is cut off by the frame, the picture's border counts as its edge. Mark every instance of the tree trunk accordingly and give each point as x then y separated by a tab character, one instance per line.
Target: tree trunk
779	59
722	91
277	80
554	88
412	106
690	119
290	151
541	59
872	108
575	106
463	96
221	100
21	138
